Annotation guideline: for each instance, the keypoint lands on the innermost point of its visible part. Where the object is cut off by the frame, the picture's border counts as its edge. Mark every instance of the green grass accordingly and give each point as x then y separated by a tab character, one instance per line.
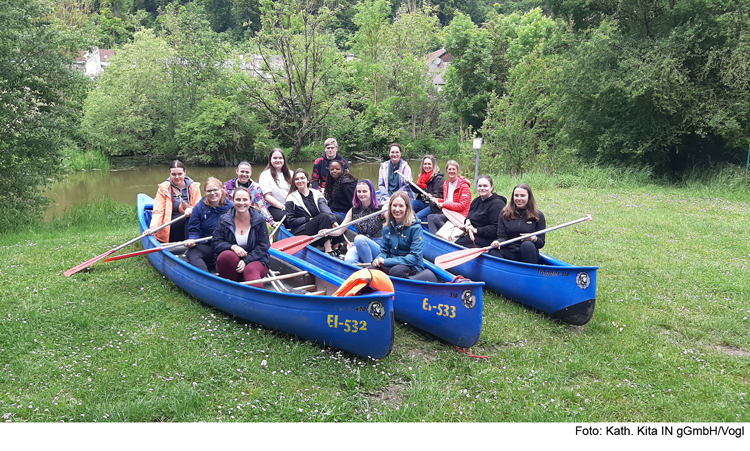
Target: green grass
669	340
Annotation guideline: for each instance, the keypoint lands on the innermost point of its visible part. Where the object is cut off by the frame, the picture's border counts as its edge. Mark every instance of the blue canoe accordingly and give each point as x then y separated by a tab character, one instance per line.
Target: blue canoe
362	325
449	311
562	290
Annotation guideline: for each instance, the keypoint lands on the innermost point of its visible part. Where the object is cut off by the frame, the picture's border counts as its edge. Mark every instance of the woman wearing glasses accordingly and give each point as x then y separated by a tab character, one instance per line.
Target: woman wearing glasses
203	221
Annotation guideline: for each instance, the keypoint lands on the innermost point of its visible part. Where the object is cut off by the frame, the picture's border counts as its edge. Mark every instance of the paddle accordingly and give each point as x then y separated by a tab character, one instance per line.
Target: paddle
456	258
275	229
414	185
88	263
155	249
456	218
296	243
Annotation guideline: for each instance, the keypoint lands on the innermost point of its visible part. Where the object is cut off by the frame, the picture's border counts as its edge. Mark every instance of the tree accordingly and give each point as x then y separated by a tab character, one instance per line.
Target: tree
130	112
38	112
295	86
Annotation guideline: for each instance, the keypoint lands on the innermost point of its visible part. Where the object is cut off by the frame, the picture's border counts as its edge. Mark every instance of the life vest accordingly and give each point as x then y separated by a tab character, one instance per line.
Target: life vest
365	281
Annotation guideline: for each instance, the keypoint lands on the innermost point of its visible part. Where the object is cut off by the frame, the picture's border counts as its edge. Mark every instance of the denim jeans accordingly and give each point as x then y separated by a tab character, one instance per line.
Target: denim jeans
421	209
363	251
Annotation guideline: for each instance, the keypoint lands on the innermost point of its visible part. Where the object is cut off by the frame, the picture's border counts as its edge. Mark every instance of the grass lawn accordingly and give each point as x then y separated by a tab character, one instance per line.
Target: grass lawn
669	341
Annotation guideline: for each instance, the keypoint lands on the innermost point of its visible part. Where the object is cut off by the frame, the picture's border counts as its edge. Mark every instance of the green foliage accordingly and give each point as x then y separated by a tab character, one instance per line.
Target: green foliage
668	341
297	88
221	132
129	111
478	68
39	94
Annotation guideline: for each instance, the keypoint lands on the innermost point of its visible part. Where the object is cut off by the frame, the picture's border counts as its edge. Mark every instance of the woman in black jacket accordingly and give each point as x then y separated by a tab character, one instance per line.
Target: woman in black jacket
340	187
520	217
307	212
431	181
481	222
241	244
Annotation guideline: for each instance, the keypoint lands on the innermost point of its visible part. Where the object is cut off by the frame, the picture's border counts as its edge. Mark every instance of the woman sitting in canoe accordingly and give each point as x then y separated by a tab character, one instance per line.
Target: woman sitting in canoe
176	196
307	212
340	186
203	222
369	231
401	246
241	245
244	172
456	197
389	181
520	217
481	222
275	182
431	181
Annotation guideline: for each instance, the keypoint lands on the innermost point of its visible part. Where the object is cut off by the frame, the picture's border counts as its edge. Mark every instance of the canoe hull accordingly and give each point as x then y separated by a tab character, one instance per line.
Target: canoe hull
562	290
362	325
449	311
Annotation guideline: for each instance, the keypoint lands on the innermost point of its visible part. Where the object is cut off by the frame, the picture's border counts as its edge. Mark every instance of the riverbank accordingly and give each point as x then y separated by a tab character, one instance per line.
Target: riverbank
669	340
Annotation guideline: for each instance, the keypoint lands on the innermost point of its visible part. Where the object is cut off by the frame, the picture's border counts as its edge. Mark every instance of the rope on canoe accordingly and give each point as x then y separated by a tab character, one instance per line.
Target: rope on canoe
471	354
459	278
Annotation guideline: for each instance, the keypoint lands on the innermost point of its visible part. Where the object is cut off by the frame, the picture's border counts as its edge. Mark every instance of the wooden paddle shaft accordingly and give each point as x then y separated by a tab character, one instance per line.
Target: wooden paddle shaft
273	279
548	229
144	233
166	247
411	183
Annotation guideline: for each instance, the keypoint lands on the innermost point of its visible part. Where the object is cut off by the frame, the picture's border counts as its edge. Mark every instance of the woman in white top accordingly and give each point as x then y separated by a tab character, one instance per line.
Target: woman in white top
275	182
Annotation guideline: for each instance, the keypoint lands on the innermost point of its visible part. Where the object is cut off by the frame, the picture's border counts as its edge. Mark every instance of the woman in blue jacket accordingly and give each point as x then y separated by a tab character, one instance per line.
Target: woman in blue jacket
241	244
206	214
401	245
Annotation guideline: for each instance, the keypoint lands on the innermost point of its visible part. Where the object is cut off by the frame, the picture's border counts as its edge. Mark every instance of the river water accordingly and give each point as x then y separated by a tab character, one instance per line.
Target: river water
124	185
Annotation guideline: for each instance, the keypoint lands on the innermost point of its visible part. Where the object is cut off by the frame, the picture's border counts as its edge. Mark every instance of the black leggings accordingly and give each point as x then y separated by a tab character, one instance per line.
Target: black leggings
527	253
201	256
322	221
401	271
179	230
276	213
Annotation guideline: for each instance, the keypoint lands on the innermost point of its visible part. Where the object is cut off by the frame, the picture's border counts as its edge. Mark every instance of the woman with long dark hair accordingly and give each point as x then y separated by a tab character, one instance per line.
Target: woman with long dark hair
520	217
275	182
307	212
340	186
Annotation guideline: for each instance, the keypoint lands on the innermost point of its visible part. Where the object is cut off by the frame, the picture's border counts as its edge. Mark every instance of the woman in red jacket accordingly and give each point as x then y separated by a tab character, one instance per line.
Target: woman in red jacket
456	197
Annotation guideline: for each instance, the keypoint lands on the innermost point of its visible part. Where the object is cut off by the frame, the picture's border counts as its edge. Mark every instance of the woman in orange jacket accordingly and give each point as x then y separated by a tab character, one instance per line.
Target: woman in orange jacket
456	197
176	196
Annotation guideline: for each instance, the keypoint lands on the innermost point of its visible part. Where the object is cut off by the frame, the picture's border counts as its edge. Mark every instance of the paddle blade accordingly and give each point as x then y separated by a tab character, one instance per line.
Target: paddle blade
456	218
293	245
456	258
87	263
133	254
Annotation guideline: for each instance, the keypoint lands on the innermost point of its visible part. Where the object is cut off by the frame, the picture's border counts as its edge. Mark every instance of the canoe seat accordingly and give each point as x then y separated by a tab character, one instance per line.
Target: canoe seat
424	275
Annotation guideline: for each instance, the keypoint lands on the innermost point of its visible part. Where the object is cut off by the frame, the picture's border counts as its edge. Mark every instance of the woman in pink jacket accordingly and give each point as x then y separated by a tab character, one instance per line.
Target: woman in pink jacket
176	196
456	197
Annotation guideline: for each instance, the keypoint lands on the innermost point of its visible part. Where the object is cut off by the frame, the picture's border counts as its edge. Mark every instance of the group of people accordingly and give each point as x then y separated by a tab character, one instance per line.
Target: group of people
237	214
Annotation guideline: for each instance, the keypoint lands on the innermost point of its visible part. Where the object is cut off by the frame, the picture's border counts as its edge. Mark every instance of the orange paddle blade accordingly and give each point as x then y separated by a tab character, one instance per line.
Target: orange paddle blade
456	258
88	263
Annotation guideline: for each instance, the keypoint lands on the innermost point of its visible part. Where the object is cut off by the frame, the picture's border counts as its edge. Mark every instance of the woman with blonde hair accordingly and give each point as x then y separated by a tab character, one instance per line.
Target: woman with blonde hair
401	245
203	221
